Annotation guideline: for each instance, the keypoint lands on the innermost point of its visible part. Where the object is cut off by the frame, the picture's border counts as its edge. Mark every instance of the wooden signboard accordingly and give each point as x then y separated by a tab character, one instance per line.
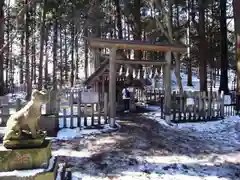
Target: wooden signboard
89	97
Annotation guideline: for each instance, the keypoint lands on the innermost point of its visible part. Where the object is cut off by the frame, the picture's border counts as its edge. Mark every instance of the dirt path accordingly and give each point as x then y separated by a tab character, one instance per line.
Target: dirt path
113	153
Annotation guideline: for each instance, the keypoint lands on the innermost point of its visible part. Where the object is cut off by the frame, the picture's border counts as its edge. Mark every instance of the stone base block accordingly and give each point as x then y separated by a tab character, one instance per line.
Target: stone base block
25	141
35	174
22	159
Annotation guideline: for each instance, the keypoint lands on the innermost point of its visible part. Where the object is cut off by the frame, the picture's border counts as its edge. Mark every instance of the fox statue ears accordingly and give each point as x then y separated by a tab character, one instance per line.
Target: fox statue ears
36	92
40	95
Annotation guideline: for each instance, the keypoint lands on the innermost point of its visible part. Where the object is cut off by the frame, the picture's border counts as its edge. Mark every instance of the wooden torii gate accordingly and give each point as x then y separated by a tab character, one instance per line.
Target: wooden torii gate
114	45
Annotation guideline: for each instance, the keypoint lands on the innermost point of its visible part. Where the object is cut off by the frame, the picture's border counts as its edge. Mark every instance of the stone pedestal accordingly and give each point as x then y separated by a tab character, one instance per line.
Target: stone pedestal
22	159
50	173
25	141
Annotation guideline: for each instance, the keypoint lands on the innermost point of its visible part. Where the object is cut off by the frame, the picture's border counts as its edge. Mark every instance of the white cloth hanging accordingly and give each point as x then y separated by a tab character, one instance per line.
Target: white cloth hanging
127	72
121	70
145	73
139	74
156	73
134	73
151	74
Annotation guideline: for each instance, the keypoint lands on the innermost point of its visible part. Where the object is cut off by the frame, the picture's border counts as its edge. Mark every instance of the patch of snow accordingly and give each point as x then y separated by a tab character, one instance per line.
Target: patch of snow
168	168
68	134
12	97
213	126
163	122
27	173
71	153
225	133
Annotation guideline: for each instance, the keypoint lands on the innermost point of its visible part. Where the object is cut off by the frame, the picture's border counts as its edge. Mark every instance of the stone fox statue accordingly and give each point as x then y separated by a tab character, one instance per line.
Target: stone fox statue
27	116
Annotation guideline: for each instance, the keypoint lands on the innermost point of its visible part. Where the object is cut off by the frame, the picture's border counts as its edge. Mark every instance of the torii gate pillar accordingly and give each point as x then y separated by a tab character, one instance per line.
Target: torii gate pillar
112	87
167	86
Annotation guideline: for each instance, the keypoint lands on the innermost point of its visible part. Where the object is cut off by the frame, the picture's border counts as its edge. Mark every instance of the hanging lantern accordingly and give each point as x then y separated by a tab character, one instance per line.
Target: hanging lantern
151	73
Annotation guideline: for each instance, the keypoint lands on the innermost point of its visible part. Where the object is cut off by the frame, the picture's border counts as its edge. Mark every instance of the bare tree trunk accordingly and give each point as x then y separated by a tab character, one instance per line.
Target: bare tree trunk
236	12
12	59
189	60
72	54
119	19
7	56
76	55
61	55
33	47
168	32
86	54
46	77
1	46
21	63
202	49
42	37
176	55
55	43
137	34
27	35
224	48
65	54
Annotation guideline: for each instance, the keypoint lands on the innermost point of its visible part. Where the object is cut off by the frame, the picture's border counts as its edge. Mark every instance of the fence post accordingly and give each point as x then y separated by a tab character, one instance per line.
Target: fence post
105	107
64	118
79	108
167	86
4	109
209	105
221	98
204	99
68	174
71	108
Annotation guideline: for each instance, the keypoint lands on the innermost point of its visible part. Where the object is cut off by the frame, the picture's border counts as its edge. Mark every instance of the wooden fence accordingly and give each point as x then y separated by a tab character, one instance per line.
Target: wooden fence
83	109
193	106
79	108
75	109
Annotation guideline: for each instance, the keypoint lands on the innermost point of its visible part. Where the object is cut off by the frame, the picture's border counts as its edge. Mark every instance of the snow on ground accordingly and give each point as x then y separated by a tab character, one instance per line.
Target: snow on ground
226	131
68	134
18	95
223	163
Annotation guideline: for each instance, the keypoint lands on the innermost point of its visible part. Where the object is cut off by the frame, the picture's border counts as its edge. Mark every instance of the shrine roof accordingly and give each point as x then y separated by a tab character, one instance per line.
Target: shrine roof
135	45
